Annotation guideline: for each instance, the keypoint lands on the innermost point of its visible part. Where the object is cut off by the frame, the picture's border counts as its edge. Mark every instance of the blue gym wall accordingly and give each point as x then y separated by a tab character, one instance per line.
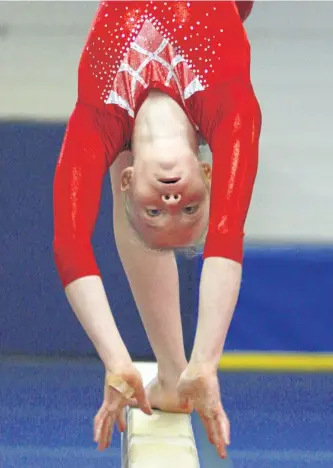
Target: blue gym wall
286	300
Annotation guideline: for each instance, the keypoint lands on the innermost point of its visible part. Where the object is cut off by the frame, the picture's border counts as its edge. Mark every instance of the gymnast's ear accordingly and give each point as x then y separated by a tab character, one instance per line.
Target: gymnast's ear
207	171
126	179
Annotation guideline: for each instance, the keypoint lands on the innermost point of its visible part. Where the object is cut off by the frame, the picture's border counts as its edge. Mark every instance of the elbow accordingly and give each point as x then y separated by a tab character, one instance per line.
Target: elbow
74	259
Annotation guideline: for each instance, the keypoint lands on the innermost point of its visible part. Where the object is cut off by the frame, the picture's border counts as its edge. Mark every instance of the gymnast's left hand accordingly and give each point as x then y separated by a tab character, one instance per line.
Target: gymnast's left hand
113	408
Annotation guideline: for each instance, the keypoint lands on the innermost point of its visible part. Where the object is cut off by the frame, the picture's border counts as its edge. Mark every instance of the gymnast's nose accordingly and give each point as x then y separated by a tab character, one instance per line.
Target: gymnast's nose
171	199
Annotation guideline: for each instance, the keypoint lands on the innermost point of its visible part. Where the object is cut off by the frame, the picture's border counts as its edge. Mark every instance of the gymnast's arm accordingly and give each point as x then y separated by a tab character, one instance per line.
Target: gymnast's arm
234	143
78	181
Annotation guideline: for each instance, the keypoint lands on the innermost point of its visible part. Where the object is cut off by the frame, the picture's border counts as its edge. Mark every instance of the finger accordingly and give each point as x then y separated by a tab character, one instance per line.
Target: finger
100	434
121	420
205	423
217	433
105	432
212	424
226	430
109	433
143	401
98	422
99	426
219	439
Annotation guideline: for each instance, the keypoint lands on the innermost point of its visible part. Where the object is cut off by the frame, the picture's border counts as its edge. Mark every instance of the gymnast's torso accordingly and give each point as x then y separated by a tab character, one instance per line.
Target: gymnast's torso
195	52
180	48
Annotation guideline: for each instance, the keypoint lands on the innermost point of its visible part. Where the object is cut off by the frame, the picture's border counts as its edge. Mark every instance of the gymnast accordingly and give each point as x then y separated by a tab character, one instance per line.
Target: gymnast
155	77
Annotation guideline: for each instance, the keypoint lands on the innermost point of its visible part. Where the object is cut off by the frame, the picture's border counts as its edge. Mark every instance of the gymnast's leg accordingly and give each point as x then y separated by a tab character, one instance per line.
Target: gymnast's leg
153	278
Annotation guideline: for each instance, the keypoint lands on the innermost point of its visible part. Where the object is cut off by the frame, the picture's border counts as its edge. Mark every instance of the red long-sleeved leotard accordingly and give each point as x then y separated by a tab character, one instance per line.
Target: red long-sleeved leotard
197	53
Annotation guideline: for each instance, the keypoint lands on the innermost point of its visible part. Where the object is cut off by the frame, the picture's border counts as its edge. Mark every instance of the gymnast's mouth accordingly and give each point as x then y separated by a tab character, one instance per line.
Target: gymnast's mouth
169	181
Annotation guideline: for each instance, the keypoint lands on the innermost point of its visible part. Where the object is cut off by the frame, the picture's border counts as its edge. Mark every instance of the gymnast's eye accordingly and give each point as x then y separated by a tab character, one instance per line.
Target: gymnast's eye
191	209
153	212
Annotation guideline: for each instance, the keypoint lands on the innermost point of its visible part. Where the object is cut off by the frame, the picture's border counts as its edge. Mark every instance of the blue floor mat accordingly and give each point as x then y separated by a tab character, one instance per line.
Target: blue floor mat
47	407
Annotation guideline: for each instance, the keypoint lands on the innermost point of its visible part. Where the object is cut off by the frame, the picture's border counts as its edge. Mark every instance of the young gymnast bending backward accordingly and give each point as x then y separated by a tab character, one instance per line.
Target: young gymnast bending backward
158	74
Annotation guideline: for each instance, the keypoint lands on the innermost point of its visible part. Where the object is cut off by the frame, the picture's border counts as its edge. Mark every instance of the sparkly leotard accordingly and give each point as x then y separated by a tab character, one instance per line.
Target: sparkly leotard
197	53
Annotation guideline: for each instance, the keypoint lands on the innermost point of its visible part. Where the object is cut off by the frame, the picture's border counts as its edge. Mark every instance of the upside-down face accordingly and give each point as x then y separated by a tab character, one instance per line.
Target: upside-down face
168	202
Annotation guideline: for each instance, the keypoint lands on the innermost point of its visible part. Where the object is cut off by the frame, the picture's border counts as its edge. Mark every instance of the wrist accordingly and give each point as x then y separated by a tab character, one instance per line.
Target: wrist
204	361
207	356
116	362
201	368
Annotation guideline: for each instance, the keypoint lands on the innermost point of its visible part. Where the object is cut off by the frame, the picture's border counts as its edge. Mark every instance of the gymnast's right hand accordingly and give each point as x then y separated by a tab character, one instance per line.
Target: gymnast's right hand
120	389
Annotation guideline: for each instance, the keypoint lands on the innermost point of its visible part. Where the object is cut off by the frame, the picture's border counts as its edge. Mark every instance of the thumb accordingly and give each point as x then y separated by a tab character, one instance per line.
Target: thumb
142	400
185	398
185	403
